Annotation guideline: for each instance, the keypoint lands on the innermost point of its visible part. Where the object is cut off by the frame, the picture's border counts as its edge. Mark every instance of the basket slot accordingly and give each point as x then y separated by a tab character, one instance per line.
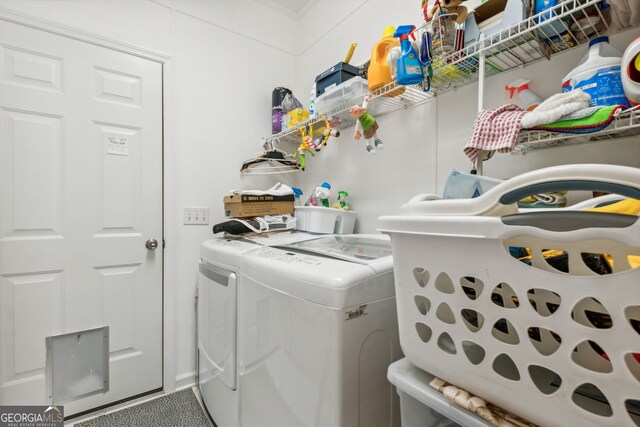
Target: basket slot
472	319
591	356
589	397
633	409
472	287
504	296
421	276
544	301
424	332
591	313
633	363
547	381
544	340
504	331
444	283
423	304
632	313
504	366
445	314
474	352
446	344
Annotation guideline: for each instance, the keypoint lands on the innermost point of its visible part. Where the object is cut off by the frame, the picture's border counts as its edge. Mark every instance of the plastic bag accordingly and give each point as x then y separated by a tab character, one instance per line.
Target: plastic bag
461	185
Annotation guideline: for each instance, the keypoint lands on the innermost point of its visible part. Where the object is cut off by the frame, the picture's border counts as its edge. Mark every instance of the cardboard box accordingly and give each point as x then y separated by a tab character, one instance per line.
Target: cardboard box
246	205
491	17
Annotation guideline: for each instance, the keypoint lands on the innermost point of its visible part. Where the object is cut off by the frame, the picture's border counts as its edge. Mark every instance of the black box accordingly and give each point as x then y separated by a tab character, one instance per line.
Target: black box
341	72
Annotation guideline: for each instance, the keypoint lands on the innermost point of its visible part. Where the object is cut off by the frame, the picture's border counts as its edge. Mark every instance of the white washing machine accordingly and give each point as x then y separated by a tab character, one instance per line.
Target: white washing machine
217	320
318	330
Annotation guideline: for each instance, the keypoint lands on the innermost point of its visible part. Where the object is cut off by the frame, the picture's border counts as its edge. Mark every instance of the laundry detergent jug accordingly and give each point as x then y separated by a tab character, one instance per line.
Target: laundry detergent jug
379	74
598	74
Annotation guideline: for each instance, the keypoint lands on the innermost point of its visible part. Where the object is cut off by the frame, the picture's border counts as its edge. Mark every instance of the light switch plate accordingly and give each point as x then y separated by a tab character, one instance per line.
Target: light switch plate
195	216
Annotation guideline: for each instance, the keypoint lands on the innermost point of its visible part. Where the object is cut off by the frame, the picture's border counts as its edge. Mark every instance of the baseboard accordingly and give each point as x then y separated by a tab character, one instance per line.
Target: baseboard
186	380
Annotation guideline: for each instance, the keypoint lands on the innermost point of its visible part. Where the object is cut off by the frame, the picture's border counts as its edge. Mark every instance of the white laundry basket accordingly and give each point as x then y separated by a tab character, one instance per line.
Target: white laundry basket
555	347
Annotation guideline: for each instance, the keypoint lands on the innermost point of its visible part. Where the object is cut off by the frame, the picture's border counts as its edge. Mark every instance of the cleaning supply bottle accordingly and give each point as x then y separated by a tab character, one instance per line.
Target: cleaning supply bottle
312	101
529	100
631	72
546	10
322	193
296	194
409	66
379	73
342	200
598	74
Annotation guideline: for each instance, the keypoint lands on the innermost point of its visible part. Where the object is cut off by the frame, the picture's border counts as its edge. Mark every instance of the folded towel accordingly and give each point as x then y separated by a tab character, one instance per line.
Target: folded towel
554	108
541	200
277	190
495	129
597	120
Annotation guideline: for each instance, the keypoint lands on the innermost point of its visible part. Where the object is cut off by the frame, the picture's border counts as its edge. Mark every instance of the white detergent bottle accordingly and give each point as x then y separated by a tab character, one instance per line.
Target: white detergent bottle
598	74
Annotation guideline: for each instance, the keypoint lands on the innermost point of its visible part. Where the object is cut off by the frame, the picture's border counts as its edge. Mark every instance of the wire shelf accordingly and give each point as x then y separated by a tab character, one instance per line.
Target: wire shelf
533	39
624	125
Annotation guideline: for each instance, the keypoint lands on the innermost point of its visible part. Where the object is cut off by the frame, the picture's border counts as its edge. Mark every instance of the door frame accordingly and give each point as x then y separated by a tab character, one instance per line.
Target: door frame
168	274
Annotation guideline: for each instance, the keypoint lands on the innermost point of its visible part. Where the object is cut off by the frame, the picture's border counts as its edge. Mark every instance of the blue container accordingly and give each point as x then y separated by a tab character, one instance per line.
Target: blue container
409	65
557	28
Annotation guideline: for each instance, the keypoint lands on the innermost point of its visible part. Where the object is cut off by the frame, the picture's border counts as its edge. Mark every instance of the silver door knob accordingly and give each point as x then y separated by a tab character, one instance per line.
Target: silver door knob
152	244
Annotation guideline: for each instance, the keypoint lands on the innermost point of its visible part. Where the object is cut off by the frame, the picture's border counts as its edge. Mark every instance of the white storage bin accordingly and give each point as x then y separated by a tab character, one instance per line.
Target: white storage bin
421	405
334	95
555	347
323	220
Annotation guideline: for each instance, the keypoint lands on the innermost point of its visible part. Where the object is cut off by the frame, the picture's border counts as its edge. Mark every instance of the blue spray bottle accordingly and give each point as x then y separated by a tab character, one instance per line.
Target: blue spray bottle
409	66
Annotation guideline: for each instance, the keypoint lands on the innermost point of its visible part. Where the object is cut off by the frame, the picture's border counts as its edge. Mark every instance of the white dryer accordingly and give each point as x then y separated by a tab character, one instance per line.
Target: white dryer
217	320
318	330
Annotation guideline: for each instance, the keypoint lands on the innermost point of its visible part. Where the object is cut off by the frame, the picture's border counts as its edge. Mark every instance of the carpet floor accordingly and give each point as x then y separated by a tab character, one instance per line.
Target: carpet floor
180	409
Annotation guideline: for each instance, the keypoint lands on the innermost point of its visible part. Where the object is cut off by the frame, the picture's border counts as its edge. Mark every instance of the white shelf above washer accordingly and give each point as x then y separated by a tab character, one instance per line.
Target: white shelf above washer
624	125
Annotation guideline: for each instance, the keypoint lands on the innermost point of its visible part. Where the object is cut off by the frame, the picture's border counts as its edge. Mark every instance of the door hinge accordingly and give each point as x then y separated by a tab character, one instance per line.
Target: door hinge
163	244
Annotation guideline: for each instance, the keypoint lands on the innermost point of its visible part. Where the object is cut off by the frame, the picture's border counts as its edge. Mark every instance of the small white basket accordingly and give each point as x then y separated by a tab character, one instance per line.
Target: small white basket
316	219
557	347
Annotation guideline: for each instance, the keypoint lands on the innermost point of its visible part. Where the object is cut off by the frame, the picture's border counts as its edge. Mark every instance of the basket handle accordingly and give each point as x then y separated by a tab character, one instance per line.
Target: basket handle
560	221
569	184
501	199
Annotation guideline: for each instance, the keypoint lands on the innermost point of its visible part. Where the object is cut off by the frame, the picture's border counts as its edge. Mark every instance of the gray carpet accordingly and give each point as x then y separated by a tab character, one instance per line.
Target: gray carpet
179	409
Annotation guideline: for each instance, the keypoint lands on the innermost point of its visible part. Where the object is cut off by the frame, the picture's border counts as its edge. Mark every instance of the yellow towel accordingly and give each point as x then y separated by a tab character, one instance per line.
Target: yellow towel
627	207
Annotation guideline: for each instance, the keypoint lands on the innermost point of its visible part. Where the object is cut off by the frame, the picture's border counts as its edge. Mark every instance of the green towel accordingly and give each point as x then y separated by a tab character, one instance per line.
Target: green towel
598	120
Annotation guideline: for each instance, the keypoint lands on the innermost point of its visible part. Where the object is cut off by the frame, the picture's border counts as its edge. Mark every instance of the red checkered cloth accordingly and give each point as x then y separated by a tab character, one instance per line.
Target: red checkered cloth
495	130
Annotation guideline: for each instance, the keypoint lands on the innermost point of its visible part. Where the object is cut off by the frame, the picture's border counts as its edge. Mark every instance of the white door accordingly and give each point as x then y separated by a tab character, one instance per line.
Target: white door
80	194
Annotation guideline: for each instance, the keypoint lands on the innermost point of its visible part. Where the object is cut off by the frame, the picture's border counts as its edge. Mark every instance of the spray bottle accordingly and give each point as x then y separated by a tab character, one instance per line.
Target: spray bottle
322	194
529	100
409	68
342	200
296	193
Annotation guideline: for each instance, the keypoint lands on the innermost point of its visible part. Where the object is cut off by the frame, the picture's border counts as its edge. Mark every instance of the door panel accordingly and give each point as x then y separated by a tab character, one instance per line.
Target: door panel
80	193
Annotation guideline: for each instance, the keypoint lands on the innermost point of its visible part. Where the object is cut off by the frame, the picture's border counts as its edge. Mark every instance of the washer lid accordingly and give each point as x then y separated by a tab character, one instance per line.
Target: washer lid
367	249
320	279
227	250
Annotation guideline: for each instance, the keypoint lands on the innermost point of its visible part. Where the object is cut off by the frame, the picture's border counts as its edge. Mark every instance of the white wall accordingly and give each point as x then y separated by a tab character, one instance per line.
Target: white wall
219	107
226	58
422	144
